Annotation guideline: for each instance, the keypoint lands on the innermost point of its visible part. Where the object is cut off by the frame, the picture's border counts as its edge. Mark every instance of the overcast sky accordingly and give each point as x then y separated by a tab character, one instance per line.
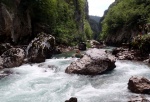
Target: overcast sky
97	7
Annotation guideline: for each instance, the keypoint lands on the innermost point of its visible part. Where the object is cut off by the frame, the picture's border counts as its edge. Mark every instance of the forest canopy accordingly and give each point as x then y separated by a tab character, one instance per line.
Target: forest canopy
64	19
126	14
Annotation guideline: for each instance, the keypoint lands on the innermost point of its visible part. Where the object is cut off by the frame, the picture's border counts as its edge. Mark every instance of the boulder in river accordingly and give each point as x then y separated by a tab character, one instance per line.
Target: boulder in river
13	57
139	85
82	46
40	48
72	99
94	62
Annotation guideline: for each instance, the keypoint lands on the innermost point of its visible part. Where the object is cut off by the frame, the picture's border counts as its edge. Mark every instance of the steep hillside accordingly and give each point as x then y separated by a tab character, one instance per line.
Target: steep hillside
122	20
95	18
22	20
94	22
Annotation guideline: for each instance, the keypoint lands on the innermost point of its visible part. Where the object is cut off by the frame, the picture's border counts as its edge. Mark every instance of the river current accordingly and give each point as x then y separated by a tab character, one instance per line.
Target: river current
48	82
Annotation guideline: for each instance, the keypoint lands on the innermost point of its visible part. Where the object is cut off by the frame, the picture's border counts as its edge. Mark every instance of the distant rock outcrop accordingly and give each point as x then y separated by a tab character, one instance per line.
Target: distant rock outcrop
94	62
94	23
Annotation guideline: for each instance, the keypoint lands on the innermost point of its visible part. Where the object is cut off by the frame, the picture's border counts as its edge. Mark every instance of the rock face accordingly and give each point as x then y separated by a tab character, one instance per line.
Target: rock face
12	58
14	25
4	47
139	85
94	62
40	48
5	23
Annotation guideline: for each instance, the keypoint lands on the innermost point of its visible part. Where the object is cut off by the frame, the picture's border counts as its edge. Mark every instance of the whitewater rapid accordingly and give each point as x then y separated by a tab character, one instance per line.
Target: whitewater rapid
39	83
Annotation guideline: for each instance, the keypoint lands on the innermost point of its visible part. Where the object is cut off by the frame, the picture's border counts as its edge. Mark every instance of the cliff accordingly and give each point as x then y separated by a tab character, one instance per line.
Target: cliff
96	28
121	21
22	20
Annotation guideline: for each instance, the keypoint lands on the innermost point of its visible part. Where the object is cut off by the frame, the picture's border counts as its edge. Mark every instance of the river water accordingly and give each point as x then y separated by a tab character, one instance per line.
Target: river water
39	83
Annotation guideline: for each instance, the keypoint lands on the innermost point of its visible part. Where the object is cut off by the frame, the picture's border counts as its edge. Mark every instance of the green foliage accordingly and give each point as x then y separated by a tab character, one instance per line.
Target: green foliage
61	17
88	45
127	14
88	31
142	43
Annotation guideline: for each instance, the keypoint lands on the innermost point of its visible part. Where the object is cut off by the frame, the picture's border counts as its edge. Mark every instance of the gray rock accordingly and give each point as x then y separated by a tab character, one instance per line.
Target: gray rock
13	57
139	85
40	48
94	62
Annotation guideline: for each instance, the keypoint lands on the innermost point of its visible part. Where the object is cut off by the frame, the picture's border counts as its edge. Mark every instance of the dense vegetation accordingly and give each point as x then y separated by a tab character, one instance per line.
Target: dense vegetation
125	16
142	43
65	19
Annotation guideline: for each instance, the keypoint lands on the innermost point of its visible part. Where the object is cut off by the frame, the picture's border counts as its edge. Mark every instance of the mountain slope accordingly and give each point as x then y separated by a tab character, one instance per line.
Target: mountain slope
22	20
94	22
121	21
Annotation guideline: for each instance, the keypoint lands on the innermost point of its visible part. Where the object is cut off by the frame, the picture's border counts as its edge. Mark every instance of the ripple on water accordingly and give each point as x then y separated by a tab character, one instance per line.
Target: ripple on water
43	84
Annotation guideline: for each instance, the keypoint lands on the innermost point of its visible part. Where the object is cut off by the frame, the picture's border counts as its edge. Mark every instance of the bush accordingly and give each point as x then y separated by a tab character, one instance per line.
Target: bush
142	43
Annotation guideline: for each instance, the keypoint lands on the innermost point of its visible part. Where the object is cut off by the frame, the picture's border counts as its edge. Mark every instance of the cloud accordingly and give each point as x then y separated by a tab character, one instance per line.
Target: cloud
97	7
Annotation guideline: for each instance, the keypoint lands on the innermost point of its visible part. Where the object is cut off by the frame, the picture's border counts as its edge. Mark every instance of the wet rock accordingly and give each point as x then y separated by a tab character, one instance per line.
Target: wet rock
82	46
6	72
53	67
117	50
72	99
138	99
4	47
126	54
139	85
94	62
96	44
13	57
40	48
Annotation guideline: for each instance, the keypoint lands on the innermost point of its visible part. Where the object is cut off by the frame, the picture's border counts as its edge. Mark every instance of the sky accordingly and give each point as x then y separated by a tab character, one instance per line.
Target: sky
97	7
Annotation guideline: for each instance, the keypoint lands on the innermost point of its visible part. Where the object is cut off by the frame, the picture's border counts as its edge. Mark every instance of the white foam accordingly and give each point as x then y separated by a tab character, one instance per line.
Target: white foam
41	84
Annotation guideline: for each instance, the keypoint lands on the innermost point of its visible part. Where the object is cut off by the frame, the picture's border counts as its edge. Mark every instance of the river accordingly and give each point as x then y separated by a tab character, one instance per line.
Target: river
39	83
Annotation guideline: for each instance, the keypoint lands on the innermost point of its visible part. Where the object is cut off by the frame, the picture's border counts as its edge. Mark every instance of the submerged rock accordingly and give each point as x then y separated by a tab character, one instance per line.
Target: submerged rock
13	57
139	85
40	48
138	99
72	99
94	62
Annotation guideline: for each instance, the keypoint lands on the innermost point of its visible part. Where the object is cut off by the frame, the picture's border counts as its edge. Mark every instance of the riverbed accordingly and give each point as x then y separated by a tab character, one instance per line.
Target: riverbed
48	82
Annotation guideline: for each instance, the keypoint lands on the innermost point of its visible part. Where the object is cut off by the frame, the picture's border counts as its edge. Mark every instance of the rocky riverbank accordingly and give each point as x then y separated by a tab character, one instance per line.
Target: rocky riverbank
122	53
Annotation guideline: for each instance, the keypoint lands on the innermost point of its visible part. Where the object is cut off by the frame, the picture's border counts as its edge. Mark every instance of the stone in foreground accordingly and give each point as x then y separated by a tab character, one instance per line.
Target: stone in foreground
139	85
13	57
94	62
